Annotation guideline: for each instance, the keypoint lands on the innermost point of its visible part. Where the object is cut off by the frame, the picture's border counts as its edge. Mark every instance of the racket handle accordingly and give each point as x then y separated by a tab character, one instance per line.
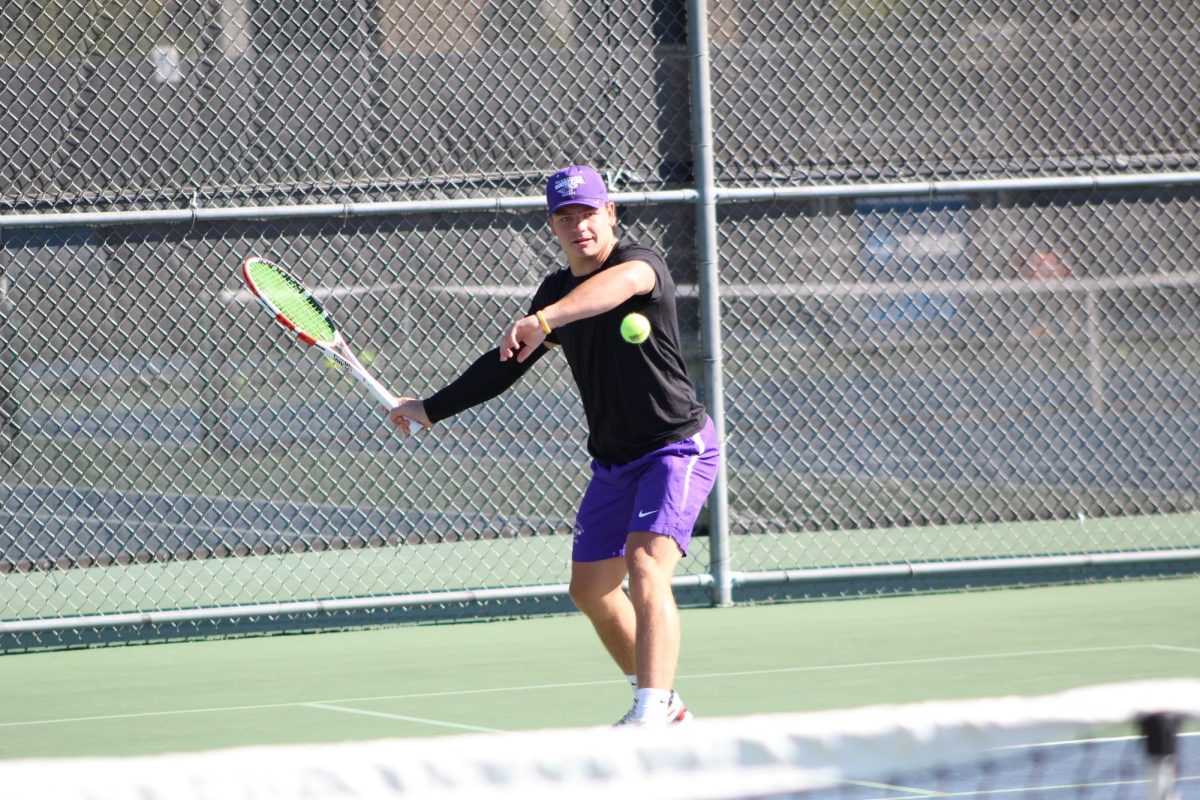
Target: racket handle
385	398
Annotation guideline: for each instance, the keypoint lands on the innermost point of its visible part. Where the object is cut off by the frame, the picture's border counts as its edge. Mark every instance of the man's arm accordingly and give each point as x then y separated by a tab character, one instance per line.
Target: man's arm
485	379
601	292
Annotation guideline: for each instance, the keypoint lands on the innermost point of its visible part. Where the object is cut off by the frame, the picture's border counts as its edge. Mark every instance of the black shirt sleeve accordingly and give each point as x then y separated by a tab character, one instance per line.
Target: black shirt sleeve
490	377
485	379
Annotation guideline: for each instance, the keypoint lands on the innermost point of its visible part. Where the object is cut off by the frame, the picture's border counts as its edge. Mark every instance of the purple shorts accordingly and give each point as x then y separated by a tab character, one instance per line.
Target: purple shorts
660	492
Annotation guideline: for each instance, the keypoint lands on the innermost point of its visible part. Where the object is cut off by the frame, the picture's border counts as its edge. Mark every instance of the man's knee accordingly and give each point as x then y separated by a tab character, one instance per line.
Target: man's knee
651	563
595	589
583	595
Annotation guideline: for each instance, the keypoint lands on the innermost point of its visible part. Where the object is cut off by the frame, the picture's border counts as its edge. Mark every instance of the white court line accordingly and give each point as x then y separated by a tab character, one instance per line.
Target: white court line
606	682
916	794
1070	742
929	793
1175	648
913	661
1025	790
438	722
260	706
889	787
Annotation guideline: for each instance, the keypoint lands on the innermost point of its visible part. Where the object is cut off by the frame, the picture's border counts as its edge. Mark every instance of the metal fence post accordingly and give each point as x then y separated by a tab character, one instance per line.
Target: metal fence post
707	265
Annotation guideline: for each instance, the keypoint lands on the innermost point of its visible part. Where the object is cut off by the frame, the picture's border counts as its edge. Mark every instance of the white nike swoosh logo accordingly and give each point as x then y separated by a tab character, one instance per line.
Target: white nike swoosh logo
646	514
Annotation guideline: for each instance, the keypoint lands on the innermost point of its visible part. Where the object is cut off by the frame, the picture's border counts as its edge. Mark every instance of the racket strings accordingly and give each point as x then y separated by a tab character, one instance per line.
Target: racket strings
291	299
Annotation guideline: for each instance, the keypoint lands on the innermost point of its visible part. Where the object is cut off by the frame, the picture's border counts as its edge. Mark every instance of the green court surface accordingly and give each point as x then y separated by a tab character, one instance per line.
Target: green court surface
551	672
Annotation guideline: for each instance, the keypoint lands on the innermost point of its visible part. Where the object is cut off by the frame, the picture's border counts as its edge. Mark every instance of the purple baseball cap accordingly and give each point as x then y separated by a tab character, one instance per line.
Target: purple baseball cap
575	185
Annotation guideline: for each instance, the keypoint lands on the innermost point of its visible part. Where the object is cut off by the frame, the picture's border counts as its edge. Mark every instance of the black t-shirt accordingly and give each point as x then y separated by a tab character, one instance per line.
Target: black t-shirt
637	398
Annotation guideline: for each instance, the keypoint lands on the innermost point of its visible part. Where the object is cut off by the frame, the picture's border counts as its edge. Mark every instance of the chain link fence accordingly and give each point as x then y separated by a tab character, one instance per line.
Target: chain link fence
984	375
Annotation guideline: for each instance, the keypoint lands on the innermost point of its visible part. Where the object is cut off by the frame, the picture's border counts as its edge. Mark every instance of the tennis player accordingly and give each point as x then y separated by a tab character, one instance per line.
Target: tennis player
654	449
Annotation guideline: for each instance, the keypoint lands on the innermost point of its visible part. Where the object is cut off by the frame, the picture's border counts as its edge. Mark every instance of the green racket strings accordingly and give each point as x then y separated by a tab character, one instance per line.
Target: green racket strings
292	300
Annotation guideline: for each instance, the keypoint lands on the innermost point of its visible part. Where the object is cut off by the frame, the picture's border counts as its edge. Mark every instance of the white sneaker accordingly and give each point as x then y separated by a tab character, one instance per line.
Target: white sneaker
676	714
630	718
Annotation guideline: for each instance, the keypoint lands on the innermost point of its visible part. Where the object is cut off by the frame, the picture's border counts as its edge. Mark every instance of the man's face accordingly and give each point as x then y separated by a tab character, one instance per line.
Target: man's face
584	233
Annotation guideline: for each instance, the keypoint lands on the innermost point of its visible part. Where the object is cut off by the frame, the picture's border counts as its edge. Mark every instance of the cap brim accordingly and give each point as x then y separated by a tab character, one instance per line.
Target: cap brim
590	202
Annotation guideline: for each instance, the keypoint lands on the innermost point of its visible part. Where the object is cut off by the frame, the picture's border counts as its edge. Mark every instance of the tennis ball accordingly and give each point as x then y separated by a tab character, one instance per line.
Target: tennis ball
635	328
367	357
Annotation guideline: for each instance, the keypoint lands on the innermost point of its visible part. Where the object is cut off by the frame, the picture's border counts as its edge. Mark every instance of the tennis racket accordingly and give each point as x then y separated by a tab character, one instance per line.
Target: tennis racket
295	308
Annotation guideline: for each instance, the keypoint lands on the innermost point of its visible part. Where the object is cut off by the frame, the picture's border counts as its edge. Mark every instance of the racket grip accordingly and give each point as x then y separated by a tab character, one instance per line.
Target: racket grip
385	398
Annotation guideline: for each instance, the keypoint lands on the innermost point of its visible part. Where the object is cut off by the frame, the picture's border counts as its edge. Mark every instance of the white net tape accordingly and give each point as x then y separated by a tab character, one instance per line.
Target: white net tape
752	756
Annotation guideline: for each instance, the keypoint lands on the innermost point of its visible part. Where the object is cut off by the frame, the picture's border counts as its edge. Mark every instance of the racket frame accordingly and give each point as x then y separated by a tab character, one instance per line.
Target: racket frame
338	349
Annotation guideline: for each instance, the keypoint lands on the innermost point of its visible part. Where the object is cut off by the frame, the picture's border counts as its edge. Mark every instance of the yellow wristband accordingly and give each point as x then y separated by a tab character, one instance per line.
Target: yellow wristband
542	321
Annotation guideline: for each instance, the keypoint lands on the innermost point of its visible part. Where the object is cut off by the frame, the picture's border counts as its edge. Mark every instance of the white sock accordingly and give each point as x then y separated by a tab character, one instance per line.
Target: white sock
632	681
651	704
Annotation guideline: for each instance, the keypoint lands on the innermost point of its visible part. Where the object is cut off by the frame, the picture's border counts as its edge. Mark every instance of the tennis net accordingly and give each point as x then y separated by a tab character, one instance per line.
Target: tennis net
1112	741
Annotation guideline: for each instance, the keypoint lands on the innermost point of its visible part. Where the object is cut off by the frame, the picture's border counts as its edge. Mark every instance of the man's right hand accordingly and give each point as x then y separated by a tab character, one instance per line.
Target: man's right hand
409	411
